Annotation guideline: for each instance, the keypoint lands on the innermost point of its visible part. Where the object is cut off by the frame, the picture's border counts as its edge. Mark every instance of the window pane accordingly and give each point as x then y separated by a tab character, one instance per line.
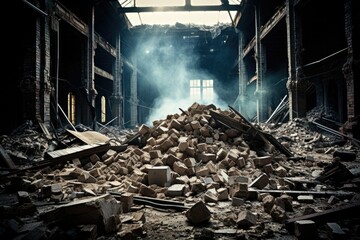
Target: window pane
208	93
195	83
159	3
205	2
195	93
208	83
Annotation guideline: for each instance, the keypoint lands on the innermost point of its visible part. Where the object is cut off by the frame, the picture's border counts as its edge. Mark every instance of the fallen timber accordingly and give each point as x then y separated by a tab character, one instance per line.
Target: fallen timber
294	193
155	202
267	136
248	128
333	214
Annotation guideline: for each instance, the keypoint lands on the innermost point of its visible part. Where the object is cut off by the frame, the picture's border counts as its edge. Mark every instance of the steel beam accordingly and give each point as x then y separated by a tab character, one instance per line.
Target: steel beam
186	8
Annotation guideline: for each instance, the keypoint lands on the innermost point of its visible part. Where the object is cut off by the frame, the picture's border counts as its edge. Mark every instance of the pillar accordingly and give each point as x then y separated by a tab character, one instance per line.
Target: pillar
133	95
46	84
242	73
259	93
350	70
296	87
90	74
117	98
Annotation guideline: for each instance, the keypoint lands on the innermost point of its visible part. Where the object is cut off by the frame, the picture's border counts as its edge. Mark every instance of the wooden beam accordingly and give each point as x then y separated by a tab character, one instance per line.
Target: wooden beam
7	158
68	154
342	212
103	73
295	193
274	20
186	8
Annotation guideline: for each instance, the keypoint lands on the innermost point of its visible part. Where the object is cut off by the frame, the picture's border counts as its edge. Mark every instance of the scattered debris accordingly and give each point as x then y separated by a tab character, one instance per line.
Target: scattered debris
205	172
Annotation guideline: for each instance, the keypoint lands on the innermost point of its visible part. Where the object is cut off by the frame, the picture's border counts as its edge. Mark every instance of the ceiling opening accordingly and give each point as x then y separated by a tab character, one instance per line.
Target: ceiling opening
170	18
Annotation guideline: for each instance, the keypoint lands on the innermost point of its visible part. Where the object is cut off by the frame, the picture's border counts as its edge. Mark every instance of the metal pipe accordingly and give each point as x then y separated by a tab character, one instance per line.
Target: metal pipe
331	55
335	132
57	72
36	8
67	118
276	109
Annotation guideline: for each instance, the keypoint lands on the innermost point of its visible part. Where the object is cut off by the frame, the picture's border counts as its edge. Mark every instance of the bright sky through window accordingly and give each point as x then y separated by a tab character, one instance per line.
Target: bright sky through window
205	18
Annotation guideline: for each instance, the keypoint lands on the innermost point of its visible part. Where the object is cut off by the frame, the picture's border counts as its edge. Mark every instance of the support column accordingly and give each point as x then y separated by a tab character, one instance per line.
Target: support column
242	74
291	83
301	83
350	70
259	93
46	85
117	98
31	82
133	95
90	80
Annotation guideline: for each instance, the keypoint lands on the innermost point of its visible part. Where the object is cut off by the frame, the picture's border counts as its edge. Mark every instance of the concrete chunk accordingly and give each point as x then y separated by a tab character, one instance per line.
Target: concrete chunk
143	129
262	161
175	190
198	213
159	175
148	192
180	168
235	201
246	219
260	182
127	200
305	229
102	211
211	196
334	231
223	194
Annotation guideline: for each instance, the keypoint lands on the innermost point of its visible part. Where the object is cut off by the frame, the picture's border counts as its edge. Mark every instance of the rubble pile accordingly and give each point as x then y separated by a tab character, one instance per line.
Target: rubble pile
207	166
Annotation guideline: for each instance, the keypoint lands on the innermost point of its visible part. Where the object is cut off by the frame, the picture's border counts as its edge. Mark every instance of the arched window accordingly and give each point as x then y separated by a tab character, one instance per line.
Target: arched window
71	107
103	109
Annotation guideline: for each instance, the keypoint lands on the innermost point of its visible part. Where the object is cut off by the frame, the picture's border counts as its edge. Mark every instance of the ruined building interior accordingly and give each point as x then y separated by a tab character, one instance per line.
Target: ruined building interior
182	119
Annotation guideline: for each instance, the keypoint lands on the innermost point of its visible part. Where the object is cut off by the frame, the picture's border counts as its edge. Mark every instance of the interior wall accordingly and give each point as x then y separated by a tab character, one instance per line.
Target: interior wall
324	53
18	42
71	71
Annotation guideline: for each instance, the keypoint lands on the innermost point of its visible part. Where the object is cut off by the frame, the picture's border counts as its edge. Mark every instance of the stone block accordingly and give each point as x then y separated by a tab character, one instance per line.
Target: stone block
159	175
246	219
235	201
262	161
305	229
127	201
260	182
175	190
198	213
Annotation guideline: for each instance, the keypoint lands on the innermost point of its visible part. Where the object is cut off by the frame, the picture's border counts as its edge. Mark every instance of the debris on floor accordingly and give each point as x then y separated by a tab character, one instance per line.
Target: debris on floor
206	173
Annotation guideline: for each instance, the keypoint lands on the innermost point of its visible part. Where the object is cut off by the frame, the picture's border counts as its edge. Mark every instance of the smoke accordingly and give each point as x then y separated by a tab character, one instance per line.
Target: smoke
168	63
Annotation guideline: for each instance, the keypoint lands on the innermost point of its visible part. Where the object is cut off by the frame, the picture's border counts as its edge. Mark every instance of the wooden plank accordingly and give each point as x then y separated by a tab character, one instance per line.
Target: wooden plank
98	210
264	136
277	144
44	129
229	122
294	193
7	158
90	137
345	211
68	154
